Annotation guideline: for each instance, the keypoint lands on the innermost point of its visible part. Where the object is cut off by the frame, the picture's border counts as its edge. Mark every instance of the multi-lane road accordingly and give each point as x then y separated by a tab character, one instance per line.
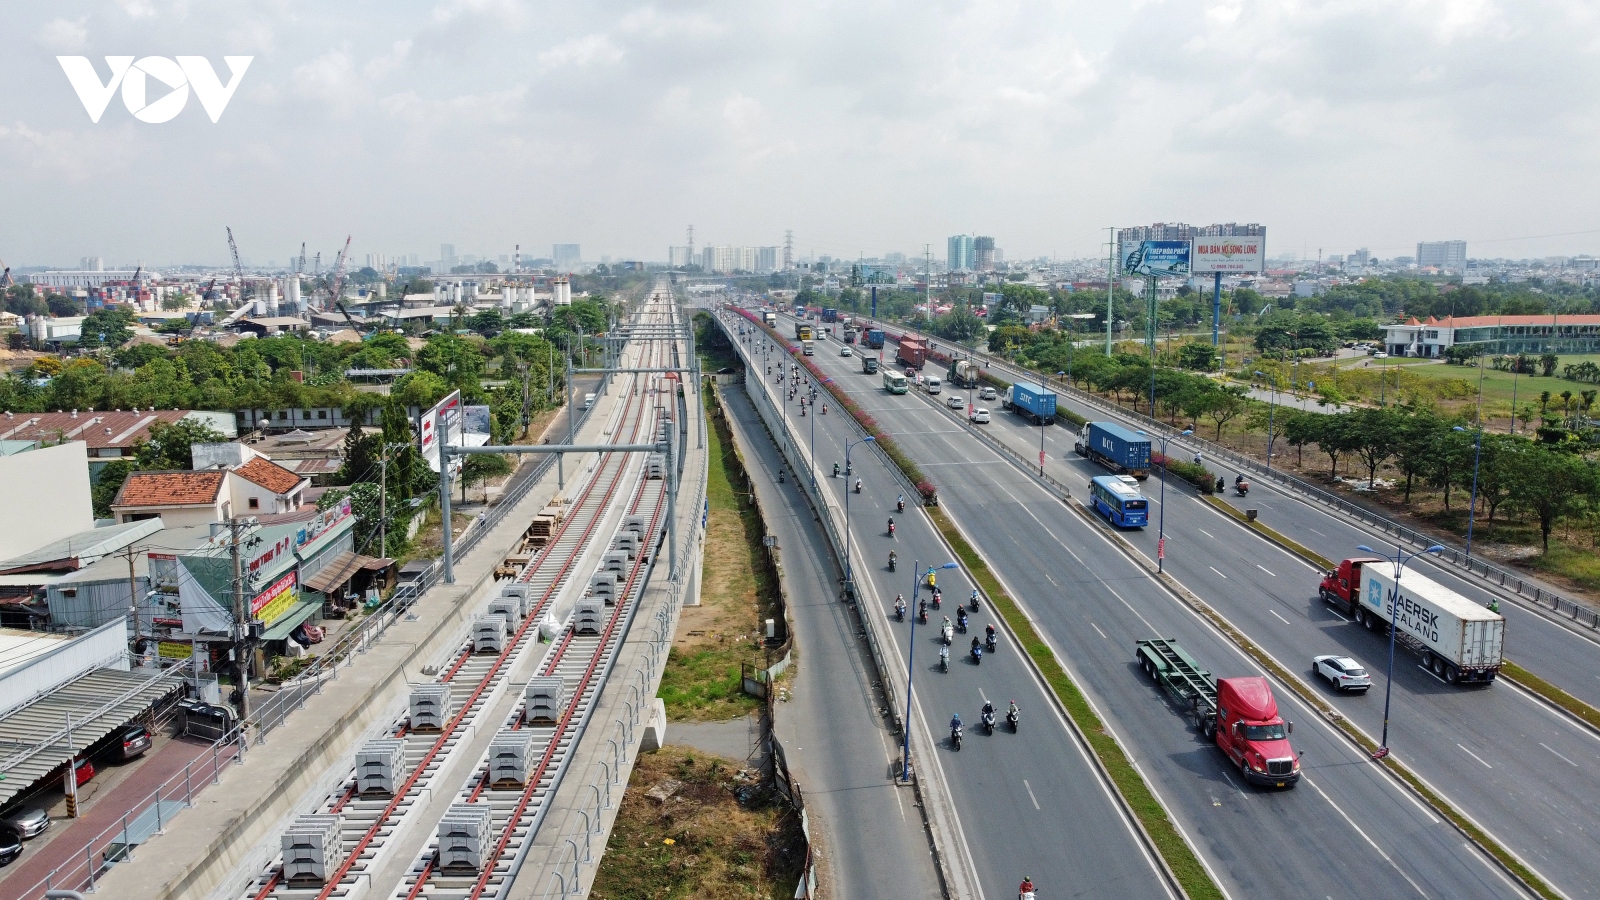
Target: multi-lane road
1349	829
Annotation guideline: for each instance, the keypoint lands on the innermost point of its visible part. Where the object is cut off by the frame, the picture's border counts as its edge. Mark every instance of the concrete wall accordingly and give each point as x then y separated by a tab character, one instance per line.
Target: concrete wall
52	486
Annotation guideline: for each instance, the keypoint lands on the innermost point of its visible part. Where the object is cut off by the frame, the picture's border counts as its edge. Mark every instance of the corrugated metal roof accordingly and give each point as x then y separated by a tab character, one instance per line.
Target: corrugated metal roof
34	741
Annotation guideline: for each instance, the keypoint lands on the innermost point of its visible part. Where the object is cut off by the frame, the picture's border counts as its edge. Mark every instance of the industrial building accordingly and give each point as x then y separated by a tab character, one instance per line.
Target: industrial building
1494	335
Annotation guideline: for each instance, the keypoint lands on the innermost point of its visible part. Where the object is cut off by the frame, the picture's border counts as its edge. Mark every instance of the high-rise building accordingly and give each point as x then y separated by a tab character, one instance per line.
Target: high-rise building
92	264
767	259
678	257
1448	256
1360	258
983	253
447	257
567	257
958	253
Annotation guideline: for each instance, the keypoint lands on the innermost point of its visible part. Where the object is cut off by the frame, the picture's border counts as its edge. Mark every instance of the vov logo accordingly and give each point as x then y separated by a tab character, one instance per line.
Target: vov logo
177	76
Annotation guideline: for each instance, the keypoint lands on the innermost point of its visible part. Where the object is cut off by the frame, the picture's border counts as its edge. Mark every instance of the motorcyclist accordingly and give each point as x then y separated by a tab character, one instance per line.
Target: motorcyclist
988	717
858	485
891	526
899	606
1012	713
938	597
944	658
944	630
1221	483
900	503
892	559
974	602
824	409
836	470
989	634
961	618
955	723
1025	889
922	611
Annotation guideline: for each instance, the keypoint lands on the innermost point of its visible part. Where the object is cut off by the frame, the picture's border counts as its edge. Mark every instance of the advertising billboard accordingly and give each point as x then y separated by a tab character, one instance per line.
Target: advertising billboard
427	436
1229	254
1156	258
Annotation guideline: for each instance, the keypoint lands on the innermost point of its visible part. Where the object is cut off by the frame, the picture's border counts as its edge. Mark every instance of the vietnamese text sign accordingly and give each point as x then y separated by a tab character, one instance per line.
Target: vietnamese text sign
1229	254
1156	258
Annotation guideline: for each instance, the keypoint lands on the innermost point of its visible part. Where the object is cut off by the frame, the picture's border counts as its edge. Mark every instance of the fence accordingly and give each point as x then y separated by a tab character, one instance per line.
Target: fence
790	789
1580	613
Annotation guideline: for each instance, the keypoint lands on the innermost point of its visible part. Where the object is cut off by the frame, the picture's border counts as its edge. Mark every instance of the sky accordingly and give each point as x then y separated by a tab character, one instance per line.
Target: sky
865	127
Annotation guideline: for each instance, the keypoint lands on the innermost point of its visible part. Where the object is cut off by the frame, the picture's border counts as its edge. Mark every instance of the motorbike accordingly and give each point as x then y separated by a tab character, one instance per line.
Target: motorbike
891	528
946	635
922	615
974	603
836	470
961	620
824	409
955	737
988	722
1011	718
900	505
858	485
900	611
938	597
989	642
977	656
891	562
944	659
1243	487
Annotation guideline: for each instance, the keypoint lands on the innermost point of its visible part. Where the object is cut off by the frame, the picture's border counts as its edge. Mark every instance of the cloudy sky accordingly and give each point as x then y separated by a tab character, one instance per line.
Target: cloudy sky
866	127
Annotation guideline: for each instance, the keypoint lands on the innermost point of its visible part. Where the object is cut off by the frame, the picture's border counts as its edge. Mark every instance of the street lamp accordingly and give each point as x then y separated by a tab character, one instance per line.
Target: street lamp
1161	527
1472	505
1399	560
848	583
916	582
1272	410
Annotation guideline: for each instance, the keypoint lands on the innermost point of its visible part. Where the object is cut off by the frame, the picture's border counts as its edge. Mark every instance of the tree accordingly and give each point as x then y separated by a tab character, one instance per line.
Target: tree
1225	405
1499	466
108	483
1371	435
361	453
1200	357
1335	438
1550	484
1299	428
106	327
480	467
169	445
1450	454
1413	446
1548	363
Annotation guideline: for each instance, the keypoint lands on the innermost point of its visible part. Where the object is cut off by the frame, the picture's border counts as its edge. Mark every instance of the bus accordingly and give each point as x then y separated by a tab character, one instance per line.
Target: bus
1117	497
895	383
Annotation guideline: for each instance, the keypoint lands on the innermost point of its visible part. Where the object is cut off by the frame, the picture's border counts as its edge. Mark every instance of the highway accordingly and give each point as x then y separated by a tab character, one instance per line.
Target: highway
1348	810
1030	803
1526	780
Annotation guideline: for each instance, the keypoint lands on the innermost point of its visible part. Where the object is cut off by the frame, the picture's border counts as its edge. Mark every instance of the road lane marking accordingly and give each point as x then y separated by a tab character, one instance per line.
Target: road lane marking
1030	793
1339	617
1280	618
1214	569
1266	570
1476	756
1214	537
1097	628
1562	758
1370	842
1314	531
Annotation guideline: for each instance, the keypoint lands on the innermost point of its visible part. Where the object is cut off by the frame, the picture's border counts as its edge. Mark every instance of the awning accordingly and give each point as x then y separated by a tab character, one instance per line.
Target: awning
343	567
34	740
303	609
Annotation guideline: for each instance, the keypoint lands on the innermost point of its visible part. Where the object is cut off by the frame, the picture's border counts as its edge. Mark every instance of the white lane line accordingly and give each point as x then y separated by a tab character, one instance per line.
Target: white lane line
983	695
1280	618
1214	537
1030	793
1357	830
1314	531
1214	569
1339	617
1097	628
1475	756
1266	570
1562	758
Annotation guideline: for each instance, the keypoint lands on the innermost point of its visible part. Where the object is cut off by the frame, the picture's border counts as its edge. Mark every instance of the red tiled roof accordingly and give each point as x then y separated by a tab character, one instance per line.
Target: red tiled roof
170	488
99	430
269	475
1482	321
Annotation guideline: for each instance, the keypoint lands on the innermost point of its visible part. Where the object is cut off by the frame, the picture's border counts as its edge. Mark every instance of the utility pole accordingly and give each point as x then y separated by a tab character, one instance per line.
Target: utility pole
133	604
383	501
241	621
1111	282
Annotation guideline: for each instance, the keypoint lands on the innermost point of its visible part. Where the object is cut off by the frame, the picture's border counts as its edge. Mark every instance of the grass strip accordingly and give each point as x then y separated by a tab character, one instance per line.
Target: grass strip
1174	850
1276	537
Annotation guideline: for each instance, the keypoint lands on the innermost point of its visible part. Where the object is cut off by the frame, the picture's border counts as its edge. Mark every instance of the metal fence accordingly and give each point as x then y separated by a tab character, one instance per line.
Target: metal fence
1493	575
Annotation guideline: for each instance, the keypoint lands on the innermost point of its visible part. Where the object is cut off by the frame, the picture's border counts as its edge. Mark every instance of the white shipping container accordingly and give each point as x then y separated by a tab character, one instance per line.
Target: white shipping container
1462	633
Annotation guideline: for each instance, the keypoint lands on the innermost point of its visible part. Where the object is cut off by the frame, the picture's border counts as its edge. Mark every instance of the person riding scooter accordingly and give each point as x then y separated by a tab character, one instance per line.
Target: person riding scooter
858	485
974	602
990	637
891	526
944	658
1240	485
836	470
1012	715
988	717
961	619
900	503
899	607
891	560
946	636
922	611
977	651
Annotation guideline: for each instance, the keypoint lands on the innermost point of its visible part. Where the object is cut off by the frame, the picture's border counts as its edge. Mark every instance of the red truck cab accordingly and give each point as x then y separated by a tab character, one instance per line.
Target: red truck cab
1252	734
1340	587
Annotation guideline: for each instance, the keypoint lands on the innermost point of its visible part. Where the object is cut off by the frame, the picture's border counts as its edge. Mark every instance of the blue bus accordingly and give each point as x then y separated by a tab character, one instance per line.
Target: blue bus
1117	497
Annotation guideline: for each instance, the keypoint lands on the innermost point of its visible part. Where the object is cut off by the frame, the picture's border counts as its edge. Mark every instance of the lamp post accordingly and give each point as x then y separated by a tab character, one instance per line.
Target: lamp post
1472	504
916	582
1161	527
1399	560
1272	410
848	582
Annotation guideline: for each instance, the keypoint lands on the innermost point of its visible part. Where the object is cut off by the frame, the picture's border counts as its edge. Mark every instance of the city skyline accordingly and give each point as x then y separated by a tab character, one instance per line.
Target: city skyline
423	125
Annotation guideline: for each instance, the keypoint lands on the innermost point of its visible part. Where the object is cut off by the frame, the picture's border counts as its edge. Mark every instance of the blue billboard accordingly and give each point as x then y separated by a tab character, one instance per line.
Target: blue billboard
1156	258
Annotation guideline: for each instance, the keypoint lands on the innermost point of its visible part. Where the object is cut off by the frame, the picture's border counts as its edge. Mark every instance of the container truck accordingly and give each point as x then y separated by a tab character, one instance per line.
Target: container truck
1239	714
869	365
873	337
770	318
964	373
1032	401
911	353
1457	639
1115	447
829	314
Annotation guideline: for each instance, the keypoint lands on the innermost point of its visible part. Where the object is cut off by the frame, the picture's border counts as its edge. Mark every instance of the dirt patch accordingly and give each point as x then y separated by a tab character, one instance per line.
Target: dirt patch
702	826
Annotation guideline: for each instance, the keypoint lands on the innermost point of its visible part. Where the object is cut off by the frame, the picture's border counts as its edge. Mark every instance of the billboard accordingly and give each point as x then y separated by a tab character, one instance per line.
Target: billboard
1229	254
428	439
1156	258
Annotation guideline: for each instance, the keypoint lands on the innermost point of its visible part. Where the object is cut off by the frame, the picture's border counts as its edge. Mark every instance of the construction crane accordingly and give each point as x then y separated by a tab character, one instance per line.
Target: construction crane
238	270
338	270
5	277
316	268
300	266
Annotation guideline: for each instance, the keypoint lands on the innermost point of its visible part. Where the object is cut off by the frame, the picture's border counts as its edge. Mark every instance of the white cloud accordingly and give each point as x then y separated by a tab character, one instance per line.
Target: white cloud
594	49
63	34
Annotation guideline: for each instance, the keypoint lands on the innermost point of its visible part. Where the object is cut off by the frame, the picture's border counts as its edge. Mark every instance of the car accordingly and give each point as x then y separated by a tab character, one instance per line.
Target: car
980	416
955	401
10	845
27	821
1342	672
986	393
131	741
846	351
1380	355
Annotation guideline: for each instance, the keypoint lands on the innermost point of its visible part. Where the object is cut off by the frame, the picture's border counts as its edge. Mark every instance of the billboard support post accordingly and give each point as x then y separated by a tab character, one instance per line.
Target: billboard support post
444	496
1216	309
1150	328
1111	284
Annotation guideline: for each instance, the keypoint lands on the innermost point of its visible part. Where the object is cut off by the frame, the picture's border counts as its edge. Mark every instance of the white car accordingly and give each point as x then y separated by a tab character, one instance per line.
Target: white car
980	416
955	402
846	351
1342	672
986	393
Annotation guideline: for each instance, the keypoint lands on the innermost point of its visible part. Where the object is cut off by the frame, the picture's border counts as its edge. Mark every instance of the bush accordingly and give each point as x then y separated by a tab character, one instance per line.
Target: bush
1195	474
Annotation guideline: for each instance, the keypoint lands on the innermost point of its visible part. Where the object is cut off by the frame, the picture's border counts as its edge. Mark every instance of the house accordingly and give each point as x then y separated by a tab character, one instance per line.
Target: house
256	486
109	434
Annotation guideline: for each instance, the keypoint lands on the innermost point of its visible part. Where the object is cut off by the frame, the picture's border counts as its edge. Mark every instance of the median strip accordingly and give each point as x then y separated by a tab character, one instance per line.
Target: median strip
1179	857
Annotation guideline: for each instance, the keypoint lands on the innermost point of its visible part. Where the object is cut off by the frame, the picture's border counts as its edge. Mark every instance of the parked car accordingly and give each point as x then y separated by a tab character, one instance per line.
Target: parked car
10	845
1343	673
846	351
980	416
955	401
29	821
131	741
85	770
986	393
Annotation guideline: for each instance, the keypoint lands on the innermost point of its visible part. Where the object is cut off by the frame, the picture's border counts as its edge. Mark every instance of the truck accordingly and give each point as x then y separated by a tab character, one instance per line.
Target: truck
808	348
1032	401
1457	639
912	354
849	334
873	337
869	365
829	314
802	331
964	373
1239	714
770	318
1115	447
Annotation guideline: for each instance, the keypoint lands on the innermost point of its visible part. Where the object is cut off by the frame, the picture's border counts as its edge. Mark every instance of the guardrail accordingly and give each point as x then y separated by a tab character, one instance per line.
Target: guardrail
1493	575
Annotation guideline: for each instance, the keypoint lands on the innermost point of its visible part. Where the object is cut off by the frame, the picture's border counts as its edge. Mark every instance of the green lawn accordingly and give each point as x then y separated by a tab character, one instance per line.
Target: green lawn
1498	386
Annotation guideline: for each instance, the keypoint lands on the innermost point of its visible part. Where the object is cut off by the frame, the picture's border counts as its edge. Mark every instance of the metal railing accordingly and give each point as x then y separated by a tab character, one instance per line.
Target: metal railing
1491	574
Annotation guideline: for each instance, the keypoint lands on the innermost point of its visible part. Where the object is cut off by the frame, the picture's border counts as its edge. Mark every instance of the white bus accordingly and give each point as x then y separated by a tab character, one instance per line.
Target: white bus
895	383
